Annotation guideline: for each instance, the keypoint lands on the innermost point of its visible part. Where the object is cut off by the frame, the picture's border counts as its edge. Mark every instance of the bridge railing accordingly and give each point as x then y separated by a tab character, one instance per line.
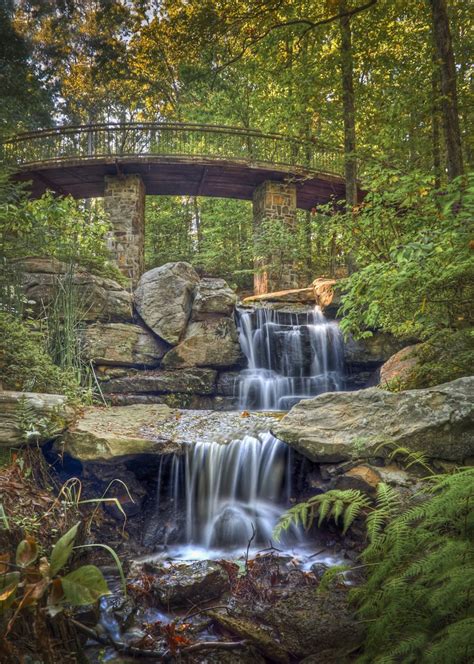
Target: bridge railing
167	139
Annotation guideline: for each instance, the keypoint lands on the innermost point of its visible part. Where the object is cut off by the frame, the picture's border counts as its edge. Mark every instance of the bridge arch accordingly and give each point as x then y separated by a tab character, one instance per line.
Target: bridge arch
123	162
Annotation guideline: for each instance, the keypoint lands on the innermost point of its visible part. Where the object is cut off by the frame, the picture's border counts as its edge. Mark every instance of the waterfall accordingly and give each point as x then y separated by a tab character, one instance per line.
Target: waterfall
225	491
215	495
290	356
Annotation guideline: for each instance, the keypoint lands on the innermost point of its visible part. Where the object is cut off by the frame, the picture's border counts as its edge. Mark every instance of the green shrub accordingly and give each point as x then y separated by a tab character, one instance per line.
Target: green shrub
417	600
24	363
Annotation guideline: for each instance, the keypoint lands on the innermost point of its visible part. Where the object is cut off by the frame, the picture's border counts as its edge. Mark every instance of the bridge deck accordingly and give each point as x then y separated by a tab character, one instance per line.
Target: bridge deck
176	159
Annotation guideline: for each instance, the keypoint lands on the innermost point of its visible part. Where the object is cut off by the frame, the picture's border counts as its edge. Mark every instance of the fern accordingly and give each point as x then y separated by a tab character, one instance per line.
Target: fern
417	596
334	504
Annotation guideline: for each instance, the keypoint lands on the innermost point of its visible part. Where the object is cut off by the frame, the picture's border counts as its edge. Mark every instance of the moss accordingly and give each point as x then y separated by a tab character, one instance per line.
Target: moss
24	363
446	356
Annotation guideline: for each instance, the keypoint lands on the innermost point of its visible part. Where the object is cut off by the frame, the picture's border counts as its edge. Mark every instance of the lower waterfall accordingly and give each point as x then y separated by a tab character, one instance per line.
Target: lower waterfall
227	493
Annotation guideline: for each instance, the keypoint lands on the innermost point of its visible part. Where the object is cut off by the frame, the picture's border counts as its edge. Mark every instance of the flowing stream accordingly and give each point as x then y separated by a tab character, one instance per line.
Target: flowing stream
217	496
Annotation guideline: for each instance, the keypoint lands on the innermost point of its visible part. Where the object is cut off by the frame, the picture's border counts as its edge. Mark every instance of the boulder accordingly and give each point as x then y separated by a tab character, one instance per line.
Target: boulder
371	352
121	344
310	621
106	434
363	478
213	296
189	584
398	367
164	298
340	426
49	414
207	343
97	298
186	381
327	296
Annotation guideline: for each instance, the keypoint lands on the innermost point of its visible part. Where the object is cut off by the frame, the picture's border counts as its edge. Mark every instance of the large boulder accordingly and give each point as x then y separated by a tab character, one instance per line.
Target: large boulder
340	426
213	296
121	344
207	343
164	298
370	353
96	298
185	381
310	621
49	414
398	367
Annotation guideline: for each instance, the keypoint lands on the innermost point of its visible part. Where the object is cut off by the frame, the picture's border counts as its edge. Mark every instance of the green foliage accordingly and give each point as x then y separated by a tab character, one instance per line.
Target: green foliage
335	504
412	245
52	226
417	598
24	363
214	235
36	584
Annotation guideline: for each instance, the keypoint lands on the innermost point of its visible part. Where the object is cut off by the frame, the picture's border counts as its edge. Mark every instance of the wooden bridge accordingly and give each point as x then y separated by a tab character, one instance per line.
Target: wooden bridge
171	158
125	162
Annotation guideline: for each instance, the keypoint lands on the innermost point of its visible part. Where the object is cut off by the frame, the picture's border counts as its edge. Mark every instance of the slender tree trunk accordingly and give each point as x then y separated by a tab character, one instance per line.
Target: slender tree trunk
347	71
435	127
449	101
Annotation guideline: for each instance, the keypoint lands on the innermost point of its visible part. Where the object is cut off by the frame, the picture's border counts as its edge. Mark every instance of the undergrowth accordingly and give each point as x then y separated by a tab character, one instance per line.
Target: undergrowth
417	600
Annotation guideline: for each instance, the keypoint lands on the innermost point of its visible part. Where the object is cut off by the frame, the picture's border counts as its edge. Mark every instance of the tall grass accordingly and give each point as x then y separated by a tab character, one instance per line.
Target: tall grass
62	321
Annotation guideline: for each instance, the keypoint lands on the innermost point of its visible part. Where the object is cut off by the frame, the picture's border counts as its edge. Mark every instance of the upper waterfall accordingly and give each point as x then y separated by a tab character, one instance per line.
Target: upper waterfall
290	356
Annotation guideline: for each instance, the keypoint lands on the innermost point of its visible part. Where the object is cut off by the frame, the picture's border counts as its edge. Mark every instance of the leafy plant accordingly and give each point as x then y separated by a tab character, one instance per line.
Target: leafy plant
31	581
417	600
335	504
411	243
24	363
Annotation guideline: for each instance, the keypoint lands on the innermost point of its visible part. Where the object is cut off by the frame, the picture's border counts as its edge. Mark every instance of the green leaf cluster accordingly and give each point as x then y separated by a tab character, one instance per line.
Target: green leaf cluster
417	600
412	245
342	506
24	363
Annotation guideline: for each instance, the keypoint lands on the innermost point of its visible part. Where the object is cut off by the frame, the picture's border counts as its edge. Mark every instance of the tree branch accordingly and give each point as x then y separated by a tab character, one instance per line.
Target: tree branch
310	25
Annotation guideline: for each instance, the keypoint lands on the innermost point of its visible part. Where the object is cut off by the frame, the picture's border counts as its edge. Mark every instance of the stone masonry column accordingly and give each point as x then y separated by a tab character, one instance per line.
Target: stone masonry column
124	202
274	268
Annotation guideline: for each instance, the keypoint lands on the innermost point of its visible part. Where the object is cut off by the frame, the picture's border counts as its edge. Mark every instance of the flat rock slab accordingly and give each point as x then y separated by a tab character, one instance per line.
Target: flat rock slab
342	426
106	434
184	381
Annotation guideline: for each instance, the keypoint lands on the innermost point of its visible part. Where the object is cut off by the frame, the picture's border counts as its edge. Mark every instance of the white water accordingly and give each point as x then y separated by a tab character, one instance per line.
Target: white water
290	356
217	496
227	491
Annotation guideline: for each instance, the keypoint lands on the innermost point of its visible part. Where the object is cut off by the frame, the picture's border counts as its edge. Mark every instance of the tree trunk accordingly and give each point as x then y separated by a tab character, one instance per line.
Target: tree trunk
435	127
347	71
449	102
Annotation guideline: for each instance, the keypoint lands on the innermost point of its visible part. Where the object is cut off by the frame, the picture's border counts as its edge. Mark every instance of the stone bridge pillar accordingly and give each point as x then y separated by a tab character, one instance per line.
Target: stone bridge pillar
124	202
274	249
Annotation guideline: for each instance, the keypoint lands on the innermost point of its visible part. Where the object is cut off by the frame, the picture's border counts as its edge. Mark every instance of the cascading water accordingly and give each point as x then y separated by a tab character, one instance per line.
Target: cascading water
290	356
218	495
226	491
